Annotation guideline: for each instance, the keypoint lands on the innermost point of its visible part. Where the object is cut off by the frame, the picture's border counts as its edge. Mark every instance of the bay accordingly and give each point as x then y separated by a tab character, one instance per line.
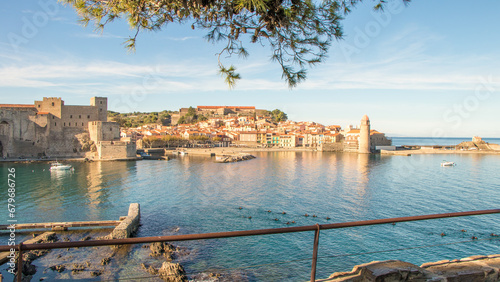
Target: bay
195	195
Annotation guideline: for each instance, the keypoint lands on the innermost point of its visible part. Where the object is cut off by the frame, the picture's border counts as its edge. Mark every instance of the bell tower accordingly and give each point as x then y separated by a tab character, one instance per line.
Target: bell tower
364	136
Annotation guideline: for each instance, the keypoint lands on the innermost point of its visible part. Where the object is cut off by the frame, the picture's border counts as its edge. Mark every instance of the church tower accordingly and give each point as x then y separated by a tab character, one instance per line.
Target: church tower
364	136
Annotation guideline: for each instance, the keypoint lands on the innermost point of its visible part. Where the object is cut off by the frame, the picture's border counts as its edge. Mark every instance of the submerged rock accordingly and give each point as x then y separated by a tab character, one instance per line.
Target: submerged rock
150	269
58	268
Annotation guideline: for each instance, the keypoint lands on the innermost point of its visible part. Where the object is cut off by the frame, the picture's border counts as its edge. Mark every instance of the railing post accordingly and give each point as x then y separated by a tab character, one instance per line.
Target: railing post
315	253
20	263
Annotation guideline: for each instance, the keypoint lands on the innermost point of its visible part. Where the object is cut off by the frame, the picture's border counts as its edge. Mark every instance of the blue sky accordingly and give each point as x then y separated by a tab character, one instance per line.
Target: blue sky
429	69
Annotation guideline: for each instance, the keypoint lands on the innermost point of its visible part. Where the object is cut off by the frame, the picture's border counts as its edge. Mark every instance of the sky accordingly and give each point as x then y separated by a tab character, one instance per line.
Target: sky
430	69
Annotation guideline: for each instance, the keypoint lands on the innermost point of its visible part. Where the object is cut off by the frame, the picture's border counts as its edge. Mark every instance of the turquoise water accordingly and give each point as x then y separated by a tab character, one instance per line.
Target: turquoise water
195	195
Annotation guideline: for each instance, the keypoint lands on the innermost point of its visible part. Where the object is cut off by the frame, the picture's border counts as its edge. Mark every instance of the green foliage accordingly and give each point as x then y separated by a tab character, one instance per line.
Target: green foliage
299	32
278	115
149	141
191	117
136	119
199	138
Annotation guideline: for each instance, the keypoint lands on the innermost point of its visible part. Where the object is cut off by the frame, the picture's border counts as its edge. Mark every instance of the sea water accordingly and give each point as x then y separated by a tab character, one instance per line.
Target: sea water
190	194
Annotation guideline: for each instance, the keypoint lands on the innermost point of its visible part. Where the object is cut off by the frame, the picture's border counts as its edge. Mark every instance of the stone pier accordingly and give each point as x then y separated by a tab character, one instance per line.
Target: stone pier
129	225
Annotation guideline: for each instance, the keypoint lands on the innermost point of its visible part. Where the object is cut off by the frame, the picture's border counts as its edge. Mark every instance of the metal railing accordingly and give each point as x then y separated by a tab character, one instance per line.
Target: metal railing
189	237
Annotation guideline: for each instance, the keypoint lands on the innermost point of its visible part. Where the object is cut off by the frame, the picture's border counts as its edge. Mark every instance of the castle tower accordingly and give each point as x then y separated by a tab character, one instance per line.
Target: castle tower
102	104
364	136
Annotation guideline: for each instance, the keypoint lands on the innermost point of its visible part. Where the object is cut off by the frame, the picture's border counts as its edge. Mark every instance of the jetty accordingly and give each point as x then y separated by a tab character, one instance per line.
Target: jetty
124	227
233	158
62	226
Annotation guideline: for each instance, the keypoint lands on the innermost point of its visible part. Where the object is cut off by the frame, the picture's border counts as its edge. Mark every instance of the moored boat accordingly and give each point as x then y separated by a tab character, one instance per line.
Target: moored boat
60	166
446	163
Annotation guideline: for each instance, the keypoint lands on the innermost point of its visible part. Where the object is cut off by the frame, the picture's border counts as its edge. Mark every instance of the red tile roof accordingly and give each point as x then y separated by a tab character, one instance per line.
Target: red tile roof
225	107
16	106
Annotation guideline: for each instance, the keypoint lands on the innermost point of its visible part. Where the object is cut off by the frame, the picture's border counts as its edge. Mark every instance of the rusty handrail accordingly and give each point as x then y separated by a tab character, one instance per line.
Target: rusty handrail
230	234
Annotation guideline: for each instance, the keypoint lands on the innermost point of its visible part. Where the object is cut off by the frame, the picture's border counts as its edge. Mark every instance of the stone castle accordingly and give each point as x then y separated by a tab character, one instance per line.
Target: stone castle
49	128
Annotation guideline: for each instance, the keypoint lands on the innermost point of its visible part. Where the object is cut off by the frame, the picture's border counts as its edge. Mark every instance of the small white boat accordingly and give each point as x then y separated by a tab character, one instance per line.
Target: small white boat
182	153
60	166
446	163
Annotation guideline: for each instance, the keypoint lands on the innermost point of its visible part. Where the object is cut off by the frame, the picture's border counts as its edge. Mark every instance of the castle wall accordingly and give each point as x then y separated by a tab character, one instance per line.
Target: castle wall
52	105
104	131
101	105
115	150
332	147
78	116
50	128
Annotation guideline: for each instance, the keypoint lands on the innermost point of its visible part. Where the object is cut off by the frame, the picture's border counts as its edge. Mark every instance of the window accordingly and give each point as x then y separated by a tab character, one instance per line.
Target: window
82	123
53	117
111	129
100	102
64	124
100	110
70	116
55	123
79	116
52	104
69	124
39	105
88	116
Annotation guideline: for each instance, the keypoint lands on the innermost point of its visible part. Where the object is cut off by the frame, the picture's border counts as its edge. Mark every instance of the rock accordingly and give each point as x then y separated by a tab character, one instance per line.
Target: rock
105	261
162	249
149	269
215	275
77	268
172	272
476	268
59	268
28	269
86	238
96	273
387	271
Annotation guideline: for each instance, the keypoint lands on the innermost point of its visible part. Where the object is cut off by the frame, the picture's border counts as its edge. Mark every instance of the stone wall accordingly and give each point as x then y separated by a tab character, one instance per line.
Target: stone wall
115	150
104	131
332	147
129	225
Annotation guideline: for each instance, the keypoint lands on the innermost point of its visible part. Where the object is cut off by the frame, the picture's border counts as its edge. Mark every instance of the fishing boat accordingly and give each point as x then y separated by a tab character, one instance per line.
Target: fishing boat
60	166
446	163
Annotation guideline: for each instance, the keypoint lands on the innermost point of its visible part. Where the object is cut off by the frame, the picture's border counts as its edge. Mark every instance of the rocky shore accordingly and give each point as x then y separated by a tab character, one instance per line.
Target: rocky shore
476	269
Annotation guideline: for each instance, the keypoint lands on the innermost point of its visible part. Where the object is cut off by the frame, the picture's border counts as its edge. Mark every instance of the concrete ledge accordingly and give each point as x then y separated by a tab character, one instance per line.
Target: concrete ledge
476	268
129	225
40	238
